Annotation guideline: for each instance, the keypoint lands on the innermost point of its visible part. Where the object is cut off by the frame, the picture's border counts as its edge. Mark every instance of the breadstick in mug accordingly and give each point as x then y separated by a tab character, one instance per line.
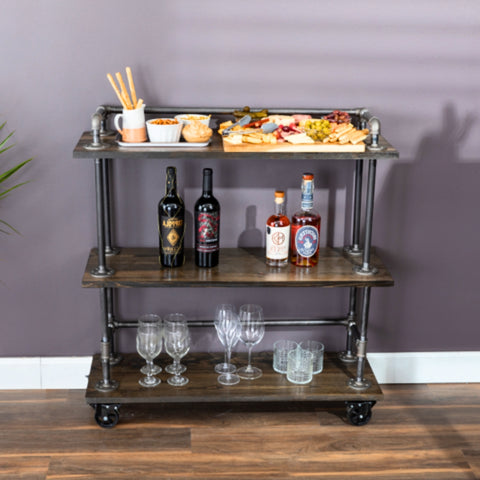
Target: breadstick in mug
131	85
116	89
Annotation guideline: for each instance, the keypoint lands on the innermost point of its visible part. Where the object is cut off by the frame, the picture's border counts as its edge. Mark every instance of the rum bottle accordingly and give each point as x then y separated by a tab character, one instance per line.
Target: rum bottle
278	233
171	223
207	225
305	235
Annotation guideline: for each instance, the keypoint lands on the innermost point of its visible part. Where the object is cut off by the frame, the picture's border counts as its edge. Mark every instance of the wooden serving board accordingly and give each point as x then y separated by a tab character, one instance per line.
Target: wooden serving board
289	147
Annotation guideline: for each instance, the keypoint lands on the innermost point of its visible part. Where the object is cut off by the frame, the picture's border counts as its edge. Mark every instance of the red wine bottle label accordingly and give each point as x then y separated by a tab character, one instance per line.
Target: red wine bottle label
277	242
171	234
207	238
306	240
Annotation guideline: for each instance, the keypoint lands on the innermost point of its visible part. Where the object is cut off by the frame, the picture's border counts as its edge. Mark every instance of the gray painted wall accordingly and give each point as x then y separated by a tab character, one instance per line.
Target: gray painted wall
416	64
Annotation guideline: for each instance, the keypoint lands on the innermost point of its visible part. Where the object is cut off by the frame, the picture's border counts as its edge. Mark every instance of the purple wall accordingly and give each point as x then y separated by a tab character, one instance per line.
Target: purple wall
414	64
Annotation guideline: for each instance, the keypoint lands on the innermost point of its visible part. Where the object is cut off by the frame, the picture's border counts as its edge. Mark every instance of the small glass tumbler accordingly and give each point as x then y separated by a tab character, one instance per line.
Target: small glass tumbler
317	349
281	348
300	366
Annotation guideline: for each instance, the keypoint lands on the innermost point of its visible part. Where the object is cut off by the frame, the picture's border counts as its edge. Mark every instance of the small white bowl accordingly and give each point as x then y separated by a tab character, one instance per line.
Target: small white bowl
164	133
186	118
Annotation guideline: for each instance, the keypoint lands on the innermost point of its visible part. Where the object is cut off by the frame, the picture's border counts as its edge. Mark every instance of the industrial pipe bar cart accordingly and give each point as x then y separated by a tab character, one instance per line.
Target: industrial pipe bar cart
347	376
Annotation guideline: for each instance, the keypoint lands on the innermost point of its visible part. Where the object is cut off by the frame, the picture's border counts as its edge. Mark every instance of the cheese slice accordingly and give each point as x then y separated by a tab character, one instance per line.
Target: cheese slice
299	138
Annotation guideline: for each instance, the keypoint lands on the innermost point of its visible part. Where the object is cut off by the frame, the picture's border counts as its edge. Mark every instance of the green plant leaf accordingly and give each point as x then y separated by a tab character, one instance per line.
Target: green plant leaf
9	173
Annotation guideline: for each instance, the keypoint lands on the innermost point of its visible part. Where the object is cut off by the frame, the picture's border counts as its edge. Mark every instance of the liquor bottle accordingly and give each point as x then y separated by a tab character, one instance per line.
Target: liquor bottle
207	225
278	234
305	235
171	223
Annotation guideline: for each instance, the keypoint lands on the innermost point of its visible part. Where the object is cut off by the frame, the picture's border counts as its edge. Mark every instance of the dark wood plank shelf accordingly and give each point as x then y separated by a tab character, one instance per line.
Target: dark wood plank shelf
329	385
238	267
111	149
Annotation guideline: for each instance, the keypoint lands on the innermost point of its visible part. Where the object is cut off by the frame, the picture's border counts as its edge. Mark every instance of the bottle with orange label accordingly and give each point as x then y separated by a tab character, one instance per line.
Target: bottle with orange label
305	233
278	233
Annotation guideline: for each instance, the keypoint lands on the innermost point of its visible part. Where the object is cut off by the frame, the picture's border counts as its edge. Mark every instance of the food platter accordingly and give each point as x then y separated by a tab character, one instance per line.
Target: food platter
288	147
181	144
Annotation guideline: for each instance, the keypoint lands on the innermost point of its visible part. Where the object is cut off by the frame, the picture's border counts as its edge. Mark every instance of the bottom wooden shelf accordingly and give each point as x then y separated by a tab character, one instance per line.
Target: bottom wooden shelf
329	385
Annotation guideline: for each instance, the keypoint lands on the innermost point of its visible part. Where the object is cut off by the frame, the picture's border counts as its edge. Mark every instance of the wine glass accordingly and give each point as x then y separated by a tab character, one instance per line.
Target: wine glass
171	322
251	333
223	311
229	328
145	320
149	346
177	345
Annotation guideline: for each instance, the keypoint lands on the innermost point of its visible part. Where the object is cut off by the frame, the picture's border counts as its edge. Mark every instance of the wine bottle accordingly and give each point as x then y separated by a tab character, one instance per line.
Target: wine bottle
305	235
171	223
207	225
278	234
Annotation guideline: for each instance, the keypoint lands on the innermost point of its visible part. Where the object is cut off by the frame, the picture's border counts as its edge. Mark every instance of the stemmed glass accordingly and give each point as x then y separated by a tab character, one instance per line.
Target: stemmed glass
149	346
147	319
177	345
229	328
223	311
172	321
251	333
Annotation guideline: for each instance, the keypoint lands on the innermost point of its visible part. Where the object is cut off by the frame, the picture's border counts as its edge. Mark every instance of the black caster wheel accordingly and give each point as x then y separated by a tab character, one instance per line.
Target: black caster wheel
359	413
106	415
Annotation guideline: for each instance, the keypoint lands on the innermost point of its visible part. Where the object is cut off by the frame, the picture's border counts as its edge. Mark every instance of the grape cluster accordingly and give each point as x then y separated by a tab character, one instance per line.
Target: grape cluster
338	116
317	129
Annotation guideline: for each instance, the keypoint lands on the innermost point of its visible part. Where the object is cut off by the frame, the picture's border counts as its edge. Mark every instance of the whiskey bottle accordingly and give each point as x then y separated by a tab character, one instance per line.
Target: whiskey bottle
278	234
207	225
171	223
305	235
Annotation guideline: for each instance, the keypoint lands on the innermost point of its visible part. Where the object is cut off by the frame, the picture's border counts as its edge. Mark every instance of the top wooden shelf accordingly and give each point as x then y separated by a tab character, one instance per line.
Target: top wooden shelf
111	149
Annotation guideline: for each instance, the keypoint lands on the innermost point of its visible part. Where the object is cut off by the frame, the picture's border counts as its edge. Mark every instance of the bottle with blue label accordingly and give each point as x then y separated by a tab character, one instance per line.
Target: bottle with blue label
305	228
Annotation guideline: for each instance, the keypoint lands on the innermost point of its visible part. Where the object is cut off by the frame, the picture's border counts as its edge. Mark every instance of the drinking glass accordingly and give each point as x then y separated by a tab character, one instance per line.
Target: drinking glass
223	311
229	328
149	346
172	322
177	345
147	319
251	333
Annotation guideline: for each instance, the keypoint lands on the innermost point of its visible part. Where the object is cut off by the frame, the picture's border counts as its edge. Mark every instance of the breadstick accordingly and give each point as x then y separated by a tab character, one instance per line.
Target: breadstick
124	91
117	91
131	85
139	103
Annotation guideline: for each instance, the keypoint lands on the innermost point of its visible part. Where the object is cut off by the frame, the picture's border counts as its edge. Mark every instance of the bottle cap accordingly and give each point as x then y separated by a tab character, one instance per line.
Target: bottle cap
279	194
308	176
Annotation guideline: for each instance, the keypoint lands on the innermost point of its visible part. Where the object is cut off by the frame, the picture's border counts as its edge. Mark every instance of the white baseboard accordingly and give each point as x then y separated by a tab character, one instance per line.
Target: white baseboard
415	367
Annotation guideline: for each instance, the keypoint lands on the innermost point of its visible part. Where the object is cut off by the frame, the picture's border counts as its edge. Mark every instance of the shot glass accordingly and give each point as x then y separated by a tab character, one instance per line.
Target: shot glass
281	348
317	349
300	366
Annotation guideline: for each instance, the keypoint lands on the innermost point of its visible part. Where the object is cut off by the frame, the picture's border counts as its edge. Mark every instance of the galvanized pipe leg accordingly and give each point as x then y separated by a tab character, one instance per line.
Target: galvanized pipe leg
355	249
101	270
115	357
348	356
359	382
109	250
366	268
106	384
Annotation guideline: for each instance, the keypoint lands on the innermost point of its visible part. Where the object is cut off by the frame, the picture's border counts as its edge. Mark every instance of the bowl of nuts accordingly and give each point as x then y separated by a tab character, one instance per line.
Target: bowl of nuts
164	130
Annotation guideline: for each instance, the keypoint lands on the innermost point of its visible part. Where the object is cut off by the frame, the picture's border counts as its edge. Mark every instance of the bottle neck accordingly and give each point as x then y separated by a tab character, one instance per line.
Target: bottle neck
171	183
279	206
307	195
207	182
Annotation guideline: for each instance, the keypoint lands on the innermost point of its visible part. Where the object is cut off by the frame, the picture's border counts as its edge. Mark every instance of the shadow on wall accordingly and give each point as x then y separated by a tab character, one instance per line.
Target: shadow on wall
251	236
433	238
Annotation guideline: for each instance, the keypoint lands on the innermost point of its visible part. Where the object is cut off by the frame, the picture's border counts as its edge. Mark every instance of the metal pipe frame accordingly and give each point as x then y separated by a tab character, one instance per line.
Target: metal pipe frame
270	323
359	382
109	250
366	268
101	270
355	249
106	384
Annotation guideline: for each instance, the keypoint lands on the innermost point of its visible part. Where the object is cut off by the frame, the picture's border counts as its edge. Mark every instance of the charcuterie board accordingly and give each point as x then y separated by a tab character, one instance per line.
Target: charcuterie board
289	147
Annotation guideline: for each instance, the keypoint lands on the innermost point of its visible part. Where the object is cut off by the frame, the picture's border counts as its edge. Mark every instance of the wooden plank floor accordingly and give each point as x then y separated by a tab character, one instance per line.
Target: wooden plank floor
417	432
